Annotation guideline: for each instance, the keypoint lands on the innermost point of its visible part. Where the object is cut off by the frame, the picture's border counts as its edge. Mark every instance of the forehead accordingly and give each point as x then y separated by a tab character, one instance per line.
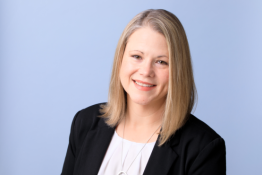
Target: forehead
147	40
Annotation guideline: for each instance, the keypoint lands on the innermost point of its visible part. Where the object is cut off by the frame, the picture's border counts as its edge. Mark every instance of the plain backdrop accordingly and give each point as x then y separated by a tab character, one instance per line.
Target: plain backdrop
56	58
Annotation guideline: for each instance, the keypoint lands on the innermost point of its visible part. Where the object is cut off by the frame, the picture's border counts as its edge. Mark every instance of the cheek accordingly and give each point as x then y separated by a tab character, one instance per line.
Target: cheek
127	69
165	77
122	75
125	72
166	81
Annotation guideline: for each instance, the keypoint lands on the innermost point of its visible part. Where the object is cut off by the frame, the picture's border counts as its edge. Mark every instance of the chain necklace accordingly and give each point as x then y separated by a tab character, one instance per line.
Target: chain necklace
125	172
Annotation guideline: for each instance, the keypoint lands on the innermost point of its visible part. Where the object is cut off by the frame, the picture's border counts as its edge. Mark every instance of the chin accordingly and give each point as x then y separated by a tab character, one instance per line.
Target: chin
141	101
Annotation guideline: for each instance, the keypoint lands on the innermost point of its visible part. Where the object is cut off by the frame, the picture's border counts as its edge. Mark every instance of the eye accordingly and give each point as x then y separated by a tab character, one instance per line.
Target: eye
136	56
162	62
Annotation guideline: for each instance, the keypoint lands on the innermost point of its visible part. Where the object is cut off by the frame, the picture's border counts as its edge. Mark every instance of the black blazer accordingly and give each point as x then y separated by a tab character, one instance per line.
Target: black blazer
195	149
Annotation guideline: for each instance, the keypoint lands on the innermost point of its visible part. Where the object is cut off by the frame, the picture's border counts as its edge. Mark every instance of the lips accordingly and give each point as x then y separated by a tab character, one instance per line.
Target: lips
143	82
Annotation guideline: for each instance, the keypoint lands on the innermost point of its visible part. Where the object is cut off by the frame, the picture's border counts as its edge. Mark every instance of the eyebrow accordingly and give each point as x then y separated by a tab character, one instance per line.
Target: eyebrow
136	50
143	53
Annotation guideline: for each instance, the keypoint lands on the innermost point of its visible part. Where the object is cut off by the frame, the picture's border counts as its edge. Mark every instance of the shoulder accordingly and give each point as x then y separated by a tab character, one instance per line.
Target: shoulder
196	140
197	132
88	116
196	127
86	120
202	147
194	136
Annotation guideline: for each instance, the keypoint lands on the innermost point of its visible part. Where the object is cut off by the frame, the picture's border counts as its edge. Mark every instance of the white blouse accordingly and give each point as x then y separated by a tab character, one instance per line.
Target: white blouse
111	164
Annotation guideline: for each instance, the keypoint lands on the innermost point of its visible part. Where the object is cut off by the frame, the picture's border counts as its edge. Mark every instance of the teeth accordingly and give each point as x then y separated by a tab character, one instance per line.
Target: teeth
144	85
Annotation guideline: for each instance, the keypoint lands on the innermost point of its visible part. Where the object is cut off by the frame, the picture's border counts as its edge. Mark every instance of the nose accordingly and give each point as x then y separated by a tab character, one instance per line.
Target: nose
146	69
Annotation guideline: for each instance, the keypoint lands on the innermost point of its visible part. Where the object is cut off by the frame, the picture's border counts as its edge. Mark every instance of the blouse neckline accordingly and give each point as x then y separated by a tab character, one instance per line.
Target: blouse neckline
137	143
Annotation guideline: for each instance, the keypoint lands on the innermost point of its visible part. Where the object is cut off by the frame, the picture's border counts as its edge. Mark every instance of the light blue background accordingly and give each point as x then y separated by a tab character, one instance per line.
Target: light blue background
56	58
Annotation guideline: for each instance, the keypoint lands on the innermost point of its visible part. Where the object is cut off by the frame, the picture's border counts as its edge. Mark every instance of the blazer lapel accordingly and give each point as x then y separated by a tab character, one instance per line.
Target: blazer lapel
162	158
92	155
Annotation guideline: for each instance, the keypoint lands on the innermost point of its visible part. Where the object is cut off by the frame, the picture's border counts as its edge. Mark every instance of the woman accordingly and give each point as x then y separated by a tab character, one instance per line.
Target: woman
146	126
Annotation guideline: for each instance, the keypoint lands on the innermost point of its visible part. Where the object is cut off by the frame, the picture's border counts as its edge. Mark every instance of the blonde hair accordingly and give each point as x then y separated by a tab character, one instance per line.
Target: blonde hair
181	87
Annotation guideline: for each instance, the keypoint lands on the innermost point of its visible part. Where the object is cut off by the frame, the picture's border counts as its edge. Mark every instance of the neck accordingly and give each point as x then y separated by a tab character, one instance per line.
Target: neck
144	116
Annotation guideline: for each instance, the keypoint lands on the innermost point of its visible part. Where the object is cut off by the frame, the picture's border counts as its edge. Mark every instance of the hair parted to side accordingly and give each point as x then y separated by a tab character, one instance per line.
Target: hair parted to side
181	94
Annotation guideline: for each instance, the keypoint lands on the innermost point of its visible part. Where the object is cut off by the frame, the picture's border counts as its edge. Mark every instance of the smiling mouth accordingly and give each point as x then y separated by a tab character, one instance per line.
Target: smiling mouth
142	84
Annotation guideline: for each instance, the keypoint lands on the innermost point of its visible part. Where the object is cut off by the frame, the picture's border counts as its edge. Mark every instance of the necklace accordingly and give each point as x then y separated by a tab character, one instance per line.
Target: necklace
125	172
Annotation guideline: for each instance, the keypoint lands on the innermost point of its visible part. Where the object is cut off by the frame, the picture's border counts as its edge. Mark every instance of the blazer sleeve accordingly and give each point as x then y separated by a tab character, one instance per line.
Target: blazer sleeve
211	160
68	167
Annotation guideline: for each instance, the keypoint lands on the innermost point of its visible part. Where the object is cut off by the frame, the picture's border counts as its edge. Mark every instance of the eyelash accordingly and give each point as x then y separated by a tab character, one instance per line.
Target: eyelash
136	57
163	62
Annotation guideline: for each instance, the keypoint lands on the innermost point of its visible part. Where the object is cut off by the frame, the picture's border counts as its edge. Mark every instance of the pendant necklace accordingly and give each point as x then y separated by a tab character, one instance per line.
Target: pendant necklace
122	172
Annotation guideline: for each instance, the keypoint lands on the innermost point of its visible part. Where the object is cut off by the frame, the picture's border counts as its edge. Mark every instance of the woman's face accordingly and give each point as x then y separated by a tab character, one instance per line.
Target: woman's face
145	67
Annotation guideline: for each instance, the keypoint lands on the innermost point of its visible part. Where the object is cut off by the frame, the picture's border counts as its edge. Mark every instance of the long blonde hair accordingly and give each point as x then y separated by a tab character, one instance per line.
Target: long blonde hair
181	94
